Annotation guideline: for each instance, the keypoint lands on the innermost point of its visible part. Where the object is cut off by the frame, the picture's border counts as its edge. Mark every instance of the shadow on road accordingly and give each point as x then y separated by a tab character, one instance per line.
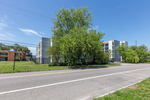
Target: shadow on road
90	67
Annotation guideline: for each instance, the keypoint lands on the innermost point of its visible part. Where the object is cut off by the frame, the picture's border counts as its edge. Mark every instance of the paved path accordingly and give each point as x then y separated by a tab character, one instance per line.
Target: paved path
81	84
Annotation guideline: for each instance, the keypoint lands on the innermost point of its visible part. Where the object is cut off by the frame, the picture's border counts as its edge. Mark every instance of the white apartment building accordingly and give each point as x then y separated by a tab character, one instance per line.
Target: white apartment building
44	43
111	45
41	49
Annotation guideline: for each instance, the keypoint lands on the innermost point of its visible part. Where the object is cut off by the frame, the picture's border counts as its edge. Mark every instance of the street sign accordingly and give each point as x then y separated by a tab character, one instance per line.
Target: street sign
15	50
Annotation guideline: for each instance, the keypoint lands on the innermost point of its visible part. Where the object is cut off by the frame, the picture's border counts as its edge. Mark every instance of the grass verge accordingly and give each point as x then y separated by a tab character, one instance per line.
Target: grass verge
139	91
26	66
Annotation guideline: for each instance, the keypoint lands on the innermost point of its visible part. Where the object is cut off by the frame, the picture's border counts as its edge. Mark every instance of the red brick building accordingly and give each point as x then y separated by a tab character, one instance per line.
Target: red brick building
9	55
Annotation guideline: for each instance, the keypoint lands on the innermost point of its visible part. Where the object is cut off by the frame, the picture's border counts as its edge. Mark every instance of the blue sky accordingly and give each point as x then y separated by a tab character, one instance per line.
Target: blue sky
28	20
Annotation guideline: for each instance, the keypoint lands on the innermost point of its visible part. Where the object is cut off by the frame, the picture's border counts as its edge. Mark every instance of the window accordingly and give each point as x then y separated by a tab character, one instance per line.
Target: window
112	43
106	44
3	53
18	54
3	58
112	51
106	48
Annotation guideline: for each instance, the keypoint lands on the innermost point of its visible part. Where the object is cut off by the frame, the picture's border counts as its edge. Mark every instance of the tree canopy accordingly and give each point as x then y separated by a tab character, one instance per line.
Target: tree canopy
133	54
73	37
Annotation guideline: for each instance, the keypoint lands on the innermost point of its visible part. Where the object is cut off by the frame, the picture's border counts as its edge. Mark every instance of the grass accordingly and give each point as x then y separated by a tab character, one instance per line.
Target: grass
139	91
26	66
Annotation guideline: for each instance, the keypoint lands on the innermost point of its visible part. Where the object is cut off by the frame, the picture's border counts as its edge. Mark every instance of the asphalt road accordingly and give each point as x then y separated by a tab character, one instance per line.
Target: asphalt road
76	84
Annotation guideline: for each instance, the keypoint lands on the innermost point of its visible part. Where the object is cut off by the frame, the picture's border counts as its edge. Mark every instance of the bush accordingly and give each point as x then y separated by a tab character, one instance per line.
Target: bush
62	64
24	60
79	63
57	64
37	63
17	59
91	63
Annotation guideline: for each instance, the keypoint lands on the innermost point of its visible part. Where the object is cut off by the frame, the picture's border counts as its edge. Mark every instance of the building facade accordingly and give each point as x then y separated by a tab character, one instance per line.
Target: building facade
41	49
111	45
9	55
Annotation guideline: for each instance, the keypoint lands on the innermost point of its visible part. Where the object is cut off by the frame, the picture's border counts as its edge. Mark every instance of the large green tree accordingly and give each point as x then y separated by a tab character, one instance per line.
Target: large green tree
67	19
4	47
142	52
72	36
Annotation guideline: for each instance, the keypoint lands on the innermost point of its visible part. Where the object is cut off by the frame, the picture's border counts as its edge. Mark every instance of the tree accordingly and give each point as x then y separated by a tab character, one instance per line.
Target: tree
23	49
131	56
81	43
73	38
69	19
26	51
142	52
72	46
4	47
93	45
121	49
54	52
106	55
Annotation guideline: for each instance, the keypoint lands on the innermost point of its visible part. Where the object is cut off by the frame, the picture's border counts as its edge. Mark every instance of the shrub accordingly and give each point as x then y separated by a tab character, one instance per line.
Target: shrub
57	64
17	59
79	63
37	63
24	60
63	64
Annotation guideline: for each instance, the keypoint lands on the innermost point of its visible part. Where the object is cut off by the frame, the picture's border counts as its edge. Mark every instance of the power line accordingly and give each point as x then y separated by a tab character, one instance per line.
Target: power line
22	43
17	42
27	15
25	10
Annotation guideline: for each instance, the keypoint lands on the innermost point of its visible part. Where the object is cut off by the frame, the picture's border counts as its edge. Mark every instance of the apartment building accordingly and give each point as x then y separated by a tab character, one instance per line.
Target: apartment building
9	55
41	49
111	45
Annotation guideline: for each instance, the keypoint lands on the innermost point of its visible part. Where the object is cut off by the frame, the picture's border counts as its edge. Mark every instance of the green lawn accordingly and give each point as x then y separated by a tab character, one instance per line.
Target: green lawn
139	91
25	66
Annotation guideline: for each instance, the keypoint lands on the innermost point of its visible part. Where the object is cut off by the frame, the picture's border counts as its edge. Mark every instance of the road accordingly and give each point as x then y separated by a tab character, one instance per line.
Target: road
72	84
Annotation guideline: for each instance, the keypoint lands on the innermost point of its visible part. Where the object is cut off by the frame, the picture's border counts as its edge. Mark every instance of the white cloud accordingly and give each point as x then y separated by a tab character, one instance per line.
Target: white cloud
3	25
10	35
4	22
5	37
29	32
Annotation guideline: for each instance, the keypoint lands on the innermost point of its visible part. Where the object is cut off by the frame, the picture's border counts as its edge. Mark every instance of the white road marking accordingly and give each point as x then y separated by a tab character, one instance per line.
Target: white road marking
36	87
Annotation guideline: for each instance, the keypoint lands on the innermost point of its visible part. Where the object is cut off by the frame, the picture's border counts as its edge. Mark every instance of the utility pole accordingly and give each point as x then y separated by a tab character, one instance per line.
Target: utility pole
14	61
143	53
136	47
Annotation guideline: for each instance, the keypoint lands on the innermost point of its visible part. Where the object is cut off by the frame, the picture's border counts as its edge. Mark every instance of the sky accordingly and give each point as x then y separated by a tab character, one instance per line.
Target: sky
26	21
